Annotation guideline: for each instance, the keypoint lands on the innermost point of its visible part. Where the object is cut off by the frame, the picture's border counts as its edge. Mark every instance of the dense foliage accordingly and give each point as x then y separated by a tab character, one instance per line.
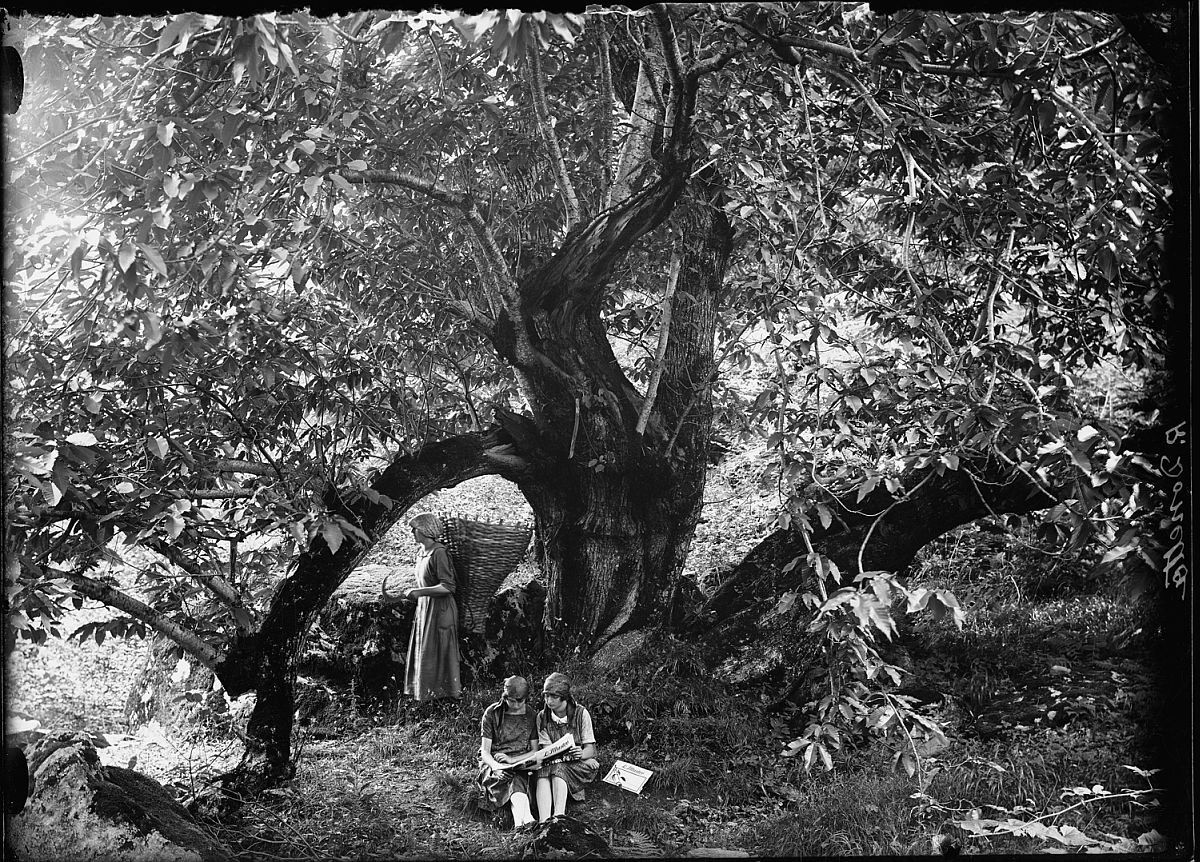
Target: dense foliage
255	261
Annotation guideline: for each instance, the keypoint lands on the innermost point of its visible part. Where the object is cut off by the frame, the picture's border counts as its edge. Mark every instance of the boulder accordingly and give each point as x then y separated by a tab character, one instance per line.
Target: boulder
360	644
81	810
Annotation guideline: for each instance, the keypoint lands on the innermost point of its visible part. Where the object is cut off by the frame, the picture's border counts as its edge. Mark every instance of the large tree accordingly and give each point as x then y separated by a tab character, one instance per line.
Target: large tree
276	279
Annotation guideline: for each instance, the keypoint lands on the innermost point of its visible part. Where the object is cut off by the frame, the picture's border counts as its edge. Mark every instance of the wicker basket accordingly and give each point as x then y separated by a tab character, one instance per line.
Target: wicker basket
484	554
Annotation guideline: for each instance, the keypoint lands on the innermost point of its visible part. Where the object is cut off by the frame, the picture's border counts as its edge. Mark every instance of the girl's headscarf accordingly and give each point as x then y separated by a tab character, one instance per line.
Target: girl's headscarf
515	686
560	684
430	525
557	683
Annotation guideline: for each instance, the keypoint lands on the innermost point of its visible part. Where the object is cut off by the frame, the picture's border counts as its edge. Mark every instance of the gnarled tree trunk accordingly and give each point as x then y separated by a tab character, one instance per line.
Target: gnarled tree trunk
616	497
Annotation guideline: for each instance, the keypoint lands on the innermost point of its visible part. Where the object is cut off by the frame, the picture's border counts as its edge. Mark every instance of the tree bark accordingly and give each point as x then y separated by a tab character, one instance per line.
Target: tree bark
897	529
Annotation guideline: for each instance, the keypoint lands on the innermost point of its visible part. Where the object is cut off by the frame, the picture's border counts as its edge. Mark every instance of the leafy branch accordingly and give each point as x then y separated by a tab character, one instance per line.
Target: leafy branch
219	587
139	610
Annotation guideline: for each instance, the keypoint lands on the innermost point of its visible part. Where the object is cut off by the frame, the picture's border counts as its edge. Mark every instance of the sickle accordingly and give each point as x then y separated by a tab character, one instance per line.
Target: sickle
383	587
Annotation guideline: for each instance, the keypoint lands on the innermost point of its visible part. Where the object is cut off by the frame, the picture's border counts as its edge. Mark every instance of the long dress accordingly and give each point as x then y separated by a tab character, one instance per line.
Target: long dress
432	668
576	773
510	734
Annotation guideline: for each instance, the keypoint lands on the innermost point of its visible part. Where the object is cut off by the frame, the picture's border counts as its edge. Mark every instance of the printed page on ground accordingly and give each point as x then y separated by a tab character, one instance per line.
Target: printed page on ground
628	776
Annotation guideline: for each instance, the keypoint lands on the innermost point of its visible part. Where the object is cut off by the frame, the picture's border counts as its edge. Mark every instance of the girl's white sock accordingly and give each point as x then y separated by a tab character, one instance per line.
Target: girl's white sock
520	807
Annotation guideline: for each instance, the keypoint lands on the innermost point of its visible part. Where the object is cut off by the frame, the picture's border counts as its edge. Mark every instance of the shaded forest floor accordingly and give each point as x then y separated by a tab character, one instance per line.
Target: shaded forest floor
1039	698
1048	696
1063	701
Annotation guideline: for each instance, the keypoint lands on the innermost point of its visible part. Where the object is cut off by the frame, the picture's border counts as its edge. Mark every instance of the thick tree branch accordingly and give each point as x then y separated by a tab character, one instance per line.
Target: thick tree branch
541	111
211	494
690	364
610	102
412	182
320	569
934	505
491	287
582	265
664	334
645	117
674	64
231	465
480	321
139	610
713	63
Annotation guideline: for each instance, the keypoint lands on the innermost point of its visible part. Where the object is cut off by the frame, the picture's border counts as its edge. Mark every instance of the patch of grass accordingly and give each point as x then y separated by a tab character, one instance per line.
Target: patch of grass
1008	644
387	742
663	696
461	793
1028	776
642	816
861	813
677	775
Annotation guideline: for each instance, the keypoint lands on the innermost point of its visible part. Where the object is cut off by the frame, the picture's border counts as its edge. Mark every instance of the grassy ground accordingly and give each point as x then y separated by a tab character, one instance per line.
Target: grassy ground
1047	697
401	784
398	784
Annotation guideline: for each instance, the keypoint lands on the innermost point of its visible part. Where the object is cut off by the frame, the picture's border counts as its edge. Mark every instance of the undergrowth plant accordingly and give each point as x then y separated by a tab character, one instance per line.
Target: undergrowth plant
1020	822
855	811
854	701
663	695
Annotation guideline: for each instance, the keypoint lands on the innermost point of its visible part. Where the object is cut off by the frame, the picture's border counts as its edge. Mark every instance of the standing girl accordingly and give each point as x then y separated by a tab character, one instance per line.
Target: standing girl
567	776
432	670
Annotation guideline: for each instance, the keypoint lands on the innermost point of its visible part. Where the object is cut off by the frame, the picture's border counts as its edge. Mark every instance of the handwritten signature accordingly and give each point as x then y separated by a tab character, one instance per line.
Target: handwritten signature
1175	570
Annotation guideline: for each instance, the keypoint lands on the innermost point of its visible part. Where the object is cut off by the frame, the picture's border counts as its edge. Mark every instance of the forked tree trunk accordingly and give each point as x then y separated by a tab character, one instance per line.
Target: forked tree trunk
616	509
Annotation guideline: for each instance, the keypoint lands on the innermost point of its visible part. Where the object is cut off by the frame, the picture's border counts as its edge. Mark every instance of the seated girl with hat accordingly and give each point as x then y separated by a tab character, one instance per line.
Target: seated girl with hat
565	776
507	731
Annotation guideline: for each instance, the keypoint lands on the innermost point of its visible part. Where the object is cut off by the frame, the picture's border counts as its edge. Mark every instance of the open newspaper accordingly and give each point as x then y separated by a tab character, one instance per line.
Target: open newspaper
554	750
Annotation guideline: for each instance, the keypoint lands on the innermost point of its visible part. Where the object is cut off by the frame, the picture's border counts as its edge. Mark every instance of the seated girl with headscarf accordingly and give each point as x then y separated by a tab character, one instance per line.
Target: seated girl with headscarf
507	731
565	776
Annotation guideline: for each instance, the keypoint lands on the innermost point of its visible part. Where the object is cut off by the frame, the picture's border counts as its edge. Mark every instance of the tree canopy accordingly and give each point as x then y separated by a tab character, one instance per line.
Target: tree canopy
271	279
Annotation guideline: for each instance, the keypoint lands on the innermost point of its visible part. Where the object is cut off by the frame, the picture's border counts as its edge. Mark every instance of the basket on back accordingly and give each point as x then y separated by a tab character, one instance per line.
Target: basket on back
484	554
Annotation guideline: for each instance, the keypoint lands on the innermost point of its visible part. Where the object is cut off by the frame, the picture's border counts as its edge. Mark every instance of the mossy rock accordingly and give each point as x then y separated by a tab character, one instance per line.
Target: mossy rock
81	810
